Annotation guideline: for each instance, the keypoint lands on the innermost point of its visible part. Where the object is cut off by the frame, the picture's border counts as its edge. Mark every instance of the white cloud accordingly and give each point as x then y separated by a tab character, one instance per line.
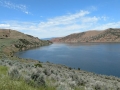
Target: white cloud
108	25
90	19
64	20
11	5
4	25
61	25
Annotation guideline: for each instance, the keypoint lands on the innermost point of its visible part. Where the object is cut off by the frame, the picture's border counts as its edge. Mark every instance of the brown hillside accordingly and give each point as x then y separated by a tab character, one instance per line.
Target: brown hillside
12	41
108	35
8	33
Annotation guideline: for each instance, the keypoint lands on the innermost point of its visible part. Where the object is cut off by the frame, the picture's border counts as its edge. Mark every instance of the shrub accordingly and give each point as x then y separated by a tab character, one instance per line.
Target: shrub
52	71
70	68
34	76
63	87
97	87
14	73
38	65
53	77
47	72
40	81
27	79
75	77
10	63
118	88
78	68
24	41
81	82
72	84
36	79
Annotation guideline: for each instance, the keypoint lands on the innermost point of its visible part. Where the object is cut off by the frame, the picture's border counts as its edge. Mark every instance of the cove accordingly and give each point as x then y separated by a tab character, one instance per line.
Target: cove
100	58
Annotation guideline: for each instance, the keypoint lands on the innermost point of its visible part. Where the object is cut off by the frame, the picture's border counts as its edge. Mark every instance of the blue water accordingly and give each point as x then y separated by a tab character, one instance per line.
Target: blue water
101	58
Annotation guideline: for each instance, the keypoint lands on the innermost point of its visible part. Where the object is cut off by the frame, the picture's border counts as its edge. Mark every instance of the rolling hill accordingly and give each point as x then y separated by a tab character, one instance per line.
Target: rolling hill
108	35
12	41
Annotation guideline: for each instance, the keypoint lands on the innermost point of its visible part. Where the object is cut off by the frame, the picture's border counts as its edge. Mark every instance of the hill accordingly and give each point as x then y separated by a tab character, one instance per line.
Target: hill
108	35
12	41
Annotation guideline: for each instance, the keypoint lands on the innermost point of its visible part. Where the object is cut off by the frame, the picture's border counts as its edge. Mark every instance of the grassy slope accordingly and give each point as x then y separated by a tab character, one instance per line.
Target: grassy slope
6	42
10	45
7	84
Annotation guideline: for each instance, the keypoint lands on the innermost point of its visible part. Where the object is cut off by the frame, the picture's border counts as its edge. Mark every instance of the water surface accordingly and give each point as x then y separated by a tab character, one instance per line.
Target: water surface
101	58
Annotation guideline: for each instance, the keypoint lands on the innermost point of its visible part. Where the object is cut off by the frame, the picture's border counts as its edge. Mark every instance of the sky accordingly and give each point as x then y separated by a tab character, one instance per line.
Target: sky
58	18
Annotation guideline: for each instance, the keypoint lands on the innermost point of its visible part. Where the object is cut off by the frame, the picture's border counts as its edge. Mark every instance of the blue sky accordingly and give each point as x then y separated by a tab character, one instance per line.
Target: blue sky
57	18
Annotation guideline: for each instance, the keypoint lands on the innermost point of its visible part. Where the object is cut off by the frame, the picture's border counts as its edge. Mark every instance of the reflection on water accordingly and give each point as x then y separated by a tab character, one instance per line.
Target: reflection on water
102	58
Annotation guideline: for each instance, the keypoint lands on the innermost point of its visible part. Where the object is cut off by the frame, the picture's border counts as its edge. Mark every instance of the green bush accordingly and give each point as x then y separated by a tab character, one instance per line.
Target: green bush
47	72
78	68
98	87
40	82
38	65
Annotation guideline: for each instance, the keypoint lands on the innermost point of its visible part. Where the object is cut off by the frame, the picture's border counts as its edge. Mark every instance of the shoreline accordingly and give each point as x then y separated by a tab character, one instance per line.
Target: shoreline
71	66
33	60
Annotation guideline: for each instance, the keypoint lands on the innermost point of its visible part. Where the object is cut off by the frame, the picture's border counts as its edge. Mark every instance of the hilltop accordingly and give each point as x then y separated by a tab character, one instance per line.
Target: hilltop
108	35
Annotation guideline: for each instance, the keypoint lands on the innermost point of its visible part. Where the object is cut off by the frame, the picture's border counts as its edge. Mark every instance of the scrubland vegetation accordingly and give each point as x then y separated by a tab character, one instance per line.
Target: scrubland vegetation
16	75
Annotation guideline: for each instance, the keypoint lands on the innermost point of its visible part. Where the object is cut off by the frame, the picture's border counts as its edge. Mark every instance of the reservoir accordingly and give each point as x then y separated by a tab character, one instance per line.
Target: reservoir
100	58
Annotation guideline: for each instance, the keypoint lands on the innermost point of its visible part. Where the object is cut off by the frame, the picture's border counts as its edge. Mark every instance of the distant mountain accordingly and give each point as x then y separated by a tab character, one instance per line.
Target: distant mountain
108	35
48	38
